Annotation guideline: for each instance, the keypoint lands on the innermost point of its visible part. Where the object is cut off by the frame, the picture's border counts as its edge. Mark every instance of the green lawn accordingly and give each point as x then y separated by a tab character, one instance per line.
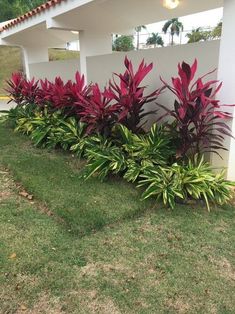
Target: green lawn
96	248
11	61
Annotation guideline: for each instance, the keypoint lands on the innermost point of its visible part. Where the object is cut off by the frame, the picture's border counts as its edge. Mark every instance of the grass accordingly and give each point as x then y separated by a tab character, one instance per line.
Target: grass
132	258
53	177
11	61
61	54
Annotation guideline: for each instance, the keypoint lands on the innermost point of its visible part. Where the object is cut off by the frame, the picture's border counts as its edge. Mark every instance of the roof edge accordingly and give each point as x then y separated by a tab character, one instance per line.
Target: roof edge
41	8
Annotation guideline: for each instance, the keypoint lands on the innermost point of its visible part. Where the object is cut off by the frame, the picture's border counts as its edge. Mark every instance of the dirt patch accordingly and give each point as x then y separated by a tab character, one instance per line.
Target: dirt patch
4	195
148	227
92	269
6	184
178	305
213	309
221	227
225	269
25	280
233	197
92	303
76	164
106	306
44	305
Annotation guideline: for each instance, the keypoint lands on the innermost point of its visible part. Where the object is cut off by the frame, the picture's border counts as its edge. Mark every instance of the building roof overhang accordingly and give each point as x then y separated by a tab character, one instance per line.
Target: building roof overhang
110	16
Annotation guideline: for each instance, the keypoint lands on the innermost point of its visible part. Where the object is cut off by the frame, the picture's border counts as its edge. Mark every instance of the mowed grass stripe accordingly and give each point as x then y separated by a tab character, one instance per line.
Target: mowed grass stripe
53	178
179	261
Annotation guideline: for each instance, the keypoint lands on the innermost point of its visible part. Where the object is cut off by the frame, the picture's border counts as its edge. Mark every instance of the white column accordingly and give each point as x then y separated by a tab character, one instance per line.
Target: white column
93	43
226	74
32	55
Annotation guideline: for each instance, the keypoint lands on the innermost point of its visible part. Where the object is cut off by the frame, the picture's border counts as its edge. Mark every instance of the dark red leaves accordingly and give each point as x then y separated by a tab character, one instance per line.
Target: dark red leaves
21	90
64	96
198	116
129	96
196	112
97	111
121	102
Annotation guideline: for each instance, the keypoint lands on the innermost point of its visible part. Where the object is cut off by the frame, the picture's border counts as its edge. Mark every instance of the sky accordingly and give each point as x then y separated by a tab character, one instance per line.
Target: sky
203	19
206	19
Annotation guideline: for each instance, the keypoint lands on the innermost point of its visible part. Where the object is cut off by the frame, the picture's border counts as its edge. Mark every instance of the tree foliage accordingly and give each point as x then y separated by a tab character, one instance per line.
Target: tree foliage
216	33
155	39
10	9
123	43
199	34
138	30
196	35
175	27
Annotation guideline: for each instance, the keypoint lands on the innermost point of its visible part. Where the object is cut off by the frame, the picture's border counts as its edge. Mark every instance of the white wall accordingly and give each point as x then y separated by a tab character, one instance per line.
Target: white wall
165	60
34	55
93	44
226	73
66	69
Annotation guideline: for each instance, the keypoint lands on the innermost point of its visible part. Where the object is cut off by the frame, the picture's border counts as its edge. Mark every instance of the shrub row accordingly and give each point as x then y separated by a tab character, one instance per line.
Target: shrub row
106	127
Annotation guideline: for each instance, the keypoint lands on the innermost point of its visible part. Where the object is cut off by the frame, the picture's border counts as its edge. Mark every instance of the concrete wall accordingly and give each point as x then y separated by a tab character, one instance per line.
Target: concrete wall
226	73
66	69
165	60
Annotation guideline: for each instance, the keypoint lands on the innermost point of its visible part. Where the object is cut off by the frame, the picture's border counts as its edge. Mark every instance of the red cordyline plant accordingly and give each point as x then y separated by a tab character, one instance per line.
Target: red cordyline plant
58	94
129	95
97	111
29	91
21	90
79	90
199	119
15	86
63	96
43	96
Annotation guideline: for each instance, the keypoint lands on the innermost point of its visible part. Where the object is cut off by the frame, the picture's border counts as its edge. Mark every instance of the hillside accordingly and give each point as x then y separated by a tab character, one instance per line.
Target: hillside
11	61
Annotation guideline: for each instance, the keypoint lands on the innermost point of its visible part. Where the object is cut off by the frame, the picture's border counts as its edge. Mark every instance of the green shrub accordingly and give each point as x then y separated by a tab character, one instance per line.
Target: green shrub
103	158
70	135
123	43
19	112
127	153
52	130
40	126
194	180
153	147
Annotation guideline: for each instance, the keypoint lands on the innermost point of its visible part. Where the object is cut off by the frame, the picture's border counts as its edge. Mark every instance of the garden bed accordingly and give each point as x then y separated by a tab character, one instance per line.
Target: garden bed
106	127
142	259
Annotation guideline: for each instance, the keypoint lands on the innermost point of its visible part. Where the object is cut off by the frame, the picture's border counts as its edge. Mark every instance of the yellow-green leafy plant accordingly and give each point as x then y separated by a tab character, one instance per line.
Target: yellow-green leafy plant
192	180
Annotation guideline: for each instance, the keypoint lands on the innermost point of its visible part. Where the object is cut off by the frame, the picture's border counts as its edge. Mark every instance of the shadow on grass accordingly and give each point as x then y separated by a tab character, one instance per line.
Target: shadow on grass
53	178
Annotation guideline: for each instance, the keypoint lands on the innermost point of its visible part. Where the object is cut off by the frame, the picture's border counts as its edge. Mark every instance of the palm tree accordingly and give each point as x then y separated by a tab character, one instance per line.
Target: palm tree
195	36
175	28
138	30
155	40
199	34
216	33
